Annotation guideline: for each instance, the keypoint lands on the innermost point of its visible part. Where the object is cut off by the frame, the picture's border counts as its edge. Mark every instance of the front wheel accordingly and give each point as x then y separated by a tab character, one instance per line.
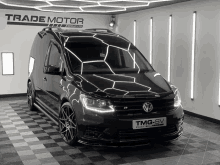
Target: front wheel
67	124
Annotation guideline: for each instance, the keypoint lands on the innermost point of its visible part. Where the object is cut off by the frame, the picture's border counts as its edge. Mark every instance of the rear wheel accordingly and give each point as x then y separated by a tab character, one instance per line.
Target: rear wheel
68	124
30	97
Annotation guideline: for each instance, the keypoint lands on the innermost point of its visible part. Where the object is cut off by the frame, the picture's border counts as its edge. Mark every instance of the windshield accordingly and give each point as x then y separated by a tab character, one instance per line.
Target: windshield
104	54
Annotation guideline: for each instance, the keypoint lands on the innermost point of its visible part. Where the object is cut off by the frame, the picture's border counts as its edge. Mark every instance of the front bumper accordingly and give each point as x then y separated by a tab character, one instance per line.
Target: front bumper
130	143
108	130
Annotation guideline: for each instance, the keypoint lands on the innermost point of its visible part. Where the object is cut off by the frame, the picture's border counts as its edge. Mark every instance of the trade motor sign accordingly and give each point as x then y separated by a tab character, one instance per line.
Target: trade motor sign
34	20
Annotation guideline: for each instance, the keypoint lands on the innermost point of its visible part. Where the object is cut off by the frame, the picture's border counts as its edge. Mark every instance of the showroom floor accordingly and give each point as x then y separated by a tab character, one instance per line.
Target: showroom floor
31	138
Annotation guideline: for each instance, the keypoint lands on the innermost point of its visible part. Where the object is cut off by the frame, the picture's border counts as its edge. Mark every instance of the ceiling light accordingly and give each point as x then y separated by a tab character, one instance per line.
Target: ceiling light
25	6
102	9
124	3
193	55
151	40
100	6
169	47
112	23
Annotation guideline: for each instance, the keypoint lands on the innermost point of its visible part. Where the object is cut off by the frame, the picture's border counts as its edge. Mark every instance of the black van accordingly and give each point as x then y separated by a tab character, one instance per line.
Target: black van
100	90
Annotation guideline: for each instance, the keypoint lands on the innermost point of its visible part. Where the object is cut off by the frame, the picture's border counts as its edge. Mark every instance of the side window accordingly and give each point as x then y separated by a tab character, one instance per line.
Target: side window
64	72
74	62
54	56
128	61
47	55
61	65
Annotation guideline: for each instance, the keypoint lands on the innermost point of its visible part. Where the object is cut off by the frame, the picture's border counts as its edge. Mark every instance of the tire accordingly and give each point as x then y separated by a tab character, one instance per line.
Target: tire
67	124
30	97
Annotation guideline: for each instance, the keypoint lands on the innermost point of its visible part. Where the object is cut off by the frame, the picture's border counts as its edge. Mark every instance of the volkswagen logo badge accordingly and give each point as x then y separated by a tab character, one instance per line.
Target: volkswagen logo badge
147	107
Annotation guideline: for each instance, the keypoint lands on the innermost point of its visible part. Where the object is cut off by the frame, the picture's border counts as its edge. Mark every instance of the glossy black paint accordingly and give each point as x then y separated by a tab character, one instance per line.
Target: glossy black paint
128	89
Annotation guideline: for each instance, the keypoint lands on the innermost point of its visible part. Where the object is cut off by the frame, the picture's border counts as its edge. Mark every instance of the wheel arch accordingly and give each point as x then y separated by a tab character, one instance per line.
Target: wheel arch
33	87
62	101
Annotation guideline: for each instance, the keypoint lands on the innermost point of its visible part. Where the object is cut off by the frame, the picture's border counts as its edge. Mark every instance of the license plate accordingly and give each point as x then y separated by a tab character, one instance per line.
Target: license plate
149	123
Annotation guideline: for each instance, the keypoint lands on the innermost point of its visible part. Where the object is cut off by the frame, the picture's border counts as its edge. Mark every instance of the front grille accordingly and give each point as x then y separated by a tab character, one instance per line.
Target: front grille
140	134
93	132
131	107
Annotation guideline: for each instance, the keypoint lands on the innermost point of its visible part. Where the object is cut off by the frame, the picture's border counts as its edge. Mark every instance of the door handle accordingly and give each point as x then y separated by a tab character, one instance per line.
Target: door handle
61	86
45	79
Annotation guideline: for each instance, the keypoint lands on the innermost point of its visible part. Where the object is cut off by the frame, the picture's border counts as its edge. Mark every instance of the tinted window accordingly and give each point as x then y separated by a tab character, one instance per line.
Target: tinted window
114	40
98	56
47	56
118	58
54	57
74	62
139	58
88	49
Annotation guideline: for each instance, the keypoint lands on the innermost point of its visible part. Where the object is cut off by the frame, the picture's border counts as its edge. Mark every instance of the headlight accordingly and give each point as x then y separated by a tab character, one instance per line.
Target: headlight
97	105
177	99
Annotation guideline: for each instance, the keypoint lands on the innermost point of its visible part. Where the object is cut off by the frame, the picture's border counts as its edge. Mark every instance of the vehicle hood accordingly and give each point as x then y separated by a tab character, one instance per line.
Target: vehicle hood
131	84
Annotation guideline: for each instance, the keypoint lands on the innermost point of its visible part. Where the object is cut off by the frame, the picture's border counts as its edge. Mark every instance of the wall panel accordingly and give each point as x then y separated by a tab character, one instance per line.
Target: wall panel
207	62
160	44
126	28
143	36
181	55
207	54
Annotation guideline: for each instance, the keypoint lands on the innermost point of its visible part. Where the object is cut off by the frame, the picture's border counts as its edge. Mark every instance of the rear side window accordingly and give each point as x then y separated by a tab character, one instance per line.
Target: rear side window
54	56
47	56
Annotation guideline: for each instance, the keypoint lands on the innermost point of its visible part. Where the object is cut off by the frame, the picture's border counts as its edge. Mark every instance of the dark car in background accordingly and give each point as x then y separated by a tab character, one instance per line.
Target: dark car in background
100	90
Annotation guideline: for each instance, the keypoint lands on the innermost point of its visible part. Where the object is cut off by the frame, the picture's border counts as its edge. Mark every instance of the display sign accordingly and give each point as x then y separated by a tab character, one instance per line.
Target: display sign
34	20
7	63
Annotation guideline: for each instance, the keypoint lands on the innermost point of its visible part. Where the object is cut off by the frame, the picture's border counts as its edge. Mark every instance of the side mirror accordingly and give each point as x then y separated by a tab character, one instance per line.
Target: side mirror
53	70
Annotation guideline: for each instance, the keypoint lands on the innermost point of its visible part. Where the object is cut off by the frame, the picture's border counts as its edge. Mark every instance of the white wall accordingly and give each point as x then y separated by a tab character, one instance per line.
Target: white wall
19	38
207	49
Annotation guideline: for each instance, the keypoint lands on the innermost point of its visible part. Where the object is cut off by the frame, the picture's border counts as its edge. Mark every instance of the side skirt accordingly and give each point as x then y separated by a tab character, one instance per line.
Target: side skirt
50	115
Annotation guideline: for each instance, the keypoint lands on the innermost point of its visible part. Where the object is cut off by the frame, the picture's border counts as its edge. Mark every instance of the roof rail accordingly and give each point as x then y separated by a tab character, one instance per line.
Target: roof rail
51	28
99	30
59	29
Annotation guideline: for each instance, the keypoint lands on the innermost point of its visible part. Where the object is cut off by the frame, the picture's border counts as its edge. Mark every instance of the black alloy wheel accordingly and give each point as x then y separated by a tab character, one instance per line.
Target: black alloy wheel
68	124
30	97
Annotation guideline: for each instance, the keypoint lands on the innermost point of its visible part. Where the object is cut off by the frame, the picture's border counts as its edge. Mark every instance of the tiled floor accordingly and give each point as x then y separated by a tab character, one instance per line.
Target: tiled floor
31	138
